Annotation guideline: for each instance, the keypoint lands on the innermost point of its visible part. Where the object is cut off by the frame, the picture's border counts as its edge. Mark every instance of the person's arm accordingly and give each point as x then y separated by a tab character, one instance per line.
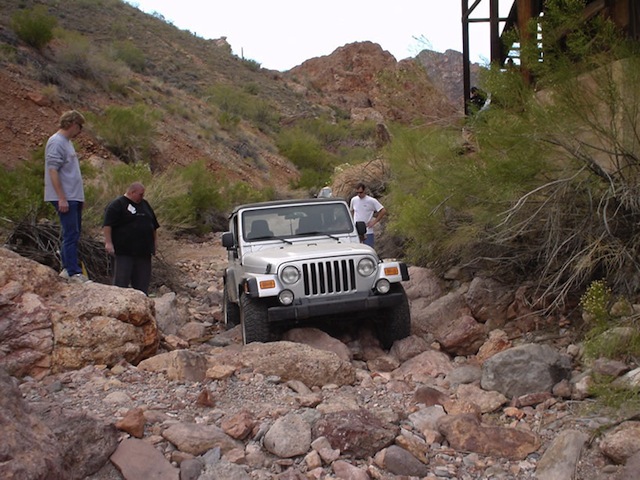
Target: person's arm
108	241
380	214
63	205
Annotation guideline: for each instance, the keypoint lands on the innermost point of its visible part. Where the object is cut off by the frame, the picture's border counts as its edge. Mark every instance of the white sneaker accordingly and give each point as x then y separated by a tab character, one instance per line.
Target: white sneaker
64	274
78	278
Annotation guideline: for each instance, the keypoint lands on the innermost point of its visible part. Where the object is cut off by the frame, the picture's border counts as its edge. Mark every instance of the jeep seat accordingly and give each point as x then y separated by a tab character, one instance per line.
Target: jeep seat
259	229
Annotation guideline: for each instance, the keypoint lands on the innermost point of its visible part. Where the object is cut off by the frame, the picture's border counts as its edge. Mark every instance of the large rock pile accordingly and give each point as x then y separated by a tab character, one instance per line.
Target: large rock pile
446	402
48	325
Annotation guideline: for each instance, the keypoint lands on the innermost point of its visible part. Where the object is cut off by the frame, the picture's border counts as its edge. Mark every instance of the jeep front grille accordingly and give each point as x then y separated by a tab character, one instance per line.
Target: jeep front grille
331	276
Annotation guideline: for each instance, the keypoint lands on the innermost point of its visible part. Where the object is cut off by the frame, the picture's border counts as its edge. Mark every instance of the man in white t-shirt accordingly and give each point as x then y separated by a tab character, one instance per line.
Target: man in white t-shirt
368	210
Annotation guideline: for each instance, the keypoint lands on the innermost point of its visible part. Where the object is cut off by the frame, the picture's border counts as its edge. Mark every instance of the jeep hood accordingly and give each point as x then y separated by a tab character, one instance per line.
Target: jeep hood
303	252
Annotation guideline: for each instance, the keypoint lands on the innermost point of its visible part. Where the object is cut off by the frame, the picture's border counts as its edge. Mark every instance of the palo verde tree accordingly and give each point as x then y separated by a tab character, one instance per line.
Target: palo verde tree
546	185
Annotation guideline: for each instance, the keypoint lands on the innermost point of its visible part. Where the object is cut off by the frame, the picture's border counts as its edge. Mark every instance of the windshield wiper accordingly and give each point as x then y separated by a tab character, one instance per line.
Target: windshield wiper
269	237
307	234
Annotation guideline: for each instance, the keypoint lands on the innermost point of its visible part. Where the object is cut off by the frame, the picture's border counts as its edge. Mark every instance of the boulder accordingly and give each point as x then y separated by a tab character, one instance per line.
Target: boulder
49	441
296	361
525	369
49	325
355	432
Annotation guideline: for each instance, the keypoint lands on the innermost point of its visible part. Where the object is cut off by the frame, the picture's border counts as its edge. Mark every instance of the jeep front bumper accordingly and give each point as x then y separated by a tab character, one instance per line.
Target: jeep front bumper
318	307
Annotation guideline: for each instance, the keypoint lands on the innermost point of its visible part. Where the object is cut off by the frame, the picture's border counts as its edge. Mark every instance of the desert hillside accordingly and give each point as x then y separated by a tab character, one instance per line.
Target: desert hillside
175	75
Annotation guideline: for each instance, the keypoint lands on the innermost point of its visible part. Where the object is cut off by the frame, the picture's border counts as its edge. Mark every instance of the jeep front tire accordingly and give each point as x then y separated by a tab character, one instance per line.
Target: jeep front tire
394	323
253	317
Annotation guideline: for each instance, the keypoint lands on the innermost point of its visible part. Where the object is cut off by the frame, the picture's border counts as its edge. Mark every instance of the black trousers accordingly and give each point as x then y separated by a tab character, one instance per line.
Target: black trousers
133	271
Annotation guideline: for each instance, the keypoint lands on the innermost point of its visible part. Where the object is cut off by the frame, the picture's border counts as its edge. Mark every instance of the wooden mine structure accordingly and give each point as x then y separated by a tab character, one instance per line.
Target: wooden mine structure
625	13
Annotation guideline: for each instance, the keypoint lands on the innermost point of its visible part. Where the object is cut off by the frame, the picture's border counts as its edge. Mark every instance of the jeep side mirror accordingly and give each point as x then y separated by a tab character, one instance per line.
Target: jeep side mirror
227	240
361	228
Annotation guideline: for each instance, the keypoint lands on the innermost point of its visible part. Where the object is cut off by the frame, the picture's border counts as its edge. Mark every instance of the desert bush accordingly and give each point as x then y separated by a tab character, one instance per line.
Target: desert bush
34	26
130	54
21	190
74	56
190	198
596	301
128	132
252	65
236	103
317	145
78	56
447	198
307	153
8	53
228	121
50	92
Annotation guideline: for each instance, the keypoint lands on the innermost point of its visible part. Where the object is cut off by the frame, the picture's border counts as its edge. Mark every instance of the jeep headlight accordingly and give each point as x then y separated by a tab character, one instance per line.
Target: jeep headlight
290	275
366	267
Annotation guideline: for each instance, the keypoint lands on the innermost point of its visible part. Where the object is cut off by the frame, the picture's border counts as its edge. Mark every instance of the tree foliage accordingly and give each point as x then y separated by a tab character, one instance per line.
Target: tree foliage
544	185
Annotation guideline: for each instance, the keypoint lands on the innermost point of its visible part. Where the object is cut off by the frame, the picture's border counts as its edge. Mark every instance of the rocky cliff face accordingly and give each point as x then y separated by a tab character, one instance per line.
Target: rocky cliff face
365	80
446	72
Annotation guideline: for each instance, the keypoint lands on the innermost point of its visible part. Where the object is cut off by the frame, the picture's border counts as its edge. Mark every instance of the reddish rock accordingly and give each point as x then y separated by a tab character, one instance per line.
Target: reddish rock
132	423
465	432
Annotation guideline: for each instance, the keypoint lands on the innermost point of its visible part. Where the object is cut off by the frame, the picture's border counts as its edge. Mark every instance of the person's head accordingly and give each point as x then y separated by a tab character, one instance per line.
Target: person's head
361	189
71	123
135	192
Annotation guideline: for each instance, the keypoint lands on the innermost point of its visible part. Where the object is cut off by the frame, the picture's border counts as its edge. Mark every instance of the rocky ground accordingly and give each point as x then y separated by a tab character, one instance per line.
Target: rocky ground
248	404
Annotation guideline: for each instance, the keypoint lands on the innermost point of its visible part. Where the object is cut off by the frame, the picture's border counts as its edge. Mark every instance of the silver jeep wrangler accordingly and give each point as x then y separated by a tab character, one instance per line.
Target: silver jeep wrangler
294	262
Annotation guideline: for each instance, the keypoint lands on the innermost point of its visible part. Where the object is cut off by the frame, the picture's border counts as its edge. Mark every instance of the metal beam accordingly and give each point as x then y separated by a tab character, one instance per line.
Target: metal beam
466	66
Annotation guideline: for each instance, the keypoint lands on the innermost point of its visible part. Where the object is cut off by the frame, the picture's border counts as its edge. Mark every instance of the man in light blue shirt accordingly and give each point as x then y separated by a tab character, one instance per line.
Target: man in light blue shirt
64	189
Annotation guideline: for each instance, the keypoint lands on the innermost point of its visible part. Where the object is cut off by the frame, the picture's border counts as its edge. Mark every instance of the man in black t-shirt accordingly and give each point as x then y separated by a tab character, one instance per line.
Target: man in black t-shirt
129	229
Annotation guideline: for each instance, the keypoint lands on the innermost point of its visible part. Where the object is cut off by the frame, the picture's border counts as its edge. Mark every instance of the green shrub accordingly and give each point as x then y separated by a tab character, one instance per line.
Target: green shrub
252	65
317	145
228	121
130	54
21	190
621	401
74	56
128	132
79	56
617	341
234	102
302	148
193	198
8	53
596	302
34	26
443	194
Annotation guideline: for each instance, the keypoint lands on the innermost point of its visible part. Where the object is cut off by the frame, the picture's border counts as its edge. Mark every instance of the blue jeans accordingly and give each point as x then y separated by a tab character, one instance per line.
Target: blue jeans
368	239
71	223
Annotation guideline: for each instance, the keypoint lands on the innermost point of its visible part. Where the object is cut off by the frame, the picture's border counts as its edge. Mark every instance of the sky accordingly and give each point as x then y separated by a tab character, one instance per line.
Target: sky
281	34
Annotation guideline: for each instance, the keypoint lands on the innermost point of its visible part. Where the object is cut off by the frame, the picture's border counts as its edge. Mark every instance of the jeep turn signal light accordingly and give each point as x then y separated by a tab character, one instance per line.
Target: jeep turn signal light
266	284
391	271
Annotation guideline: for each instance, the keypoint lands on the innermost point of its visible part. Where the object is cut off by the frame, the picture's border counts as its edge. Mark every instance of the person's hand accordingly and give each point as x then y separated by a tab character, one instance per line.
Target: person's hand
63	205
108	246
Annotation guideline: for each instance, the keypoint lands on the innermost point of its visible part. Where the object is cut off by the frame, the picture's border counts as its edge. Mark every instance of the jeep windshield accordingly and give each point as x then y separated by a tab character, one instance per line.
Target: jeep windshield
304	220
